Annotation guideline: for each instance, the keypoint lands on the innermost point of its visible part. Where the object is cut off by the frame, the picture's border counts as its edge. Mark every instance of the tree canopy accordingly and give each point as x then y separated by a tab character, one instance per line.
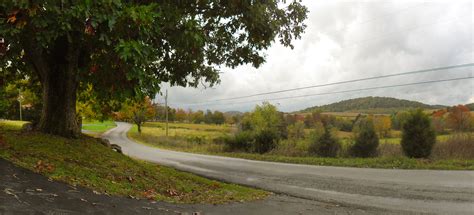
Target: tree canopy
122	49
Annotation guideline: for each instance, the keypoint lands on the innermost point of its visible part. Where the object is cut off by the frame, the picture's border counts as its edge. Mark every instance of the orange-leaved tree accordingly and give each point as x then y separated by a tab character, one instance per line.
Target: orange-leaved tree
459	118
138	111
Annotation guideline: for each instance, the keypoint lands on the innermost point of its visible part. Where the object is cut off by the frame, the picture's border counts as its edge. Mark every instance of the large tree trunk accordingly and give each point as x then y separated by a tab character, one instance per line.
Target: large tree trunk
59	103
60	82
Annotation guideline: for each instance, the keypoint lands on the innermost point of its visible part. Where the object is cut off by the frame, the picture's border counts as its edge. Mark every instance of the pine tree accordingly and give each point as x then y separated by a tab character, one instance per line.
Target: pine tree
418	135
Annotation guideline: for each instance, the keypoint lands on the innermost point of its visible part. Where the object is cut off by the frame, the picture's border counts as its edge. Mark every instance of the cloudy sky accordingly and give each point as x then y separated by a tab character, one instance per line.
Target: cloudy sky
348	40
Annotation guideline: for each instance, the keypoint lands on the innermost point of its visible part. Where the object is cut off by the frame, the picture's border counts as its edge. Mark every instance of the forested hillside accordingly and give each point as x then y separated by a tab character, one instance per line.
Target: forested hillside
470	106
370	103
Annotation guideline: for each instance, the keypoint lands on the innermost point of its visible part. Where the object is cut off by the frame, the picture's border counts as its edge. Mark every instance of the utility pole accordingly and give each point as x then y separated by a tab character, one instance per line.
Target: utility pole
19	100
166	111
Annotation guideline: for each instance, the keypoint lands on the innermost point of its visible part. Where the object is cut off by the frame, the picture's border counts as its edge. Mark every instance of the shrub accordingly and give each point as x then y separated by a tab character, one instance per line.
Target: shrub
296	131
291	148
265	141
325	146
242	141
418	136
366	142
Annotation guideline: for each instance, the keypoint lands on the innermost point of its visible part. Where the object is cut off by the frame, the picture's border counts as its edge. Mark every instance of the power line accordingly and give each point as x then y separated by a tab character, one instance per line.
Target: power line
347	91
336	83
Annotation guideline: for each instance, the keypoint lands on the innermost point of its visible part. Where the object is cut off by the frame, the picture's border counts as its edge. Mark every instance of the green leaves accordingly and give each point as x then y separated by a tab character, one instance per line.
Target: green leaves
134	46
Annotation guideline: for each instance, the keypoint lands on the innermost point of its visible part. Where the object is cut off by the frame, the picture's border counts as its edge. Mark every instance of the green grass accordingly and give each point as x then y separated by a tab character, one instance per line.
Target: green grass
85	162
11	125
97	126
184	140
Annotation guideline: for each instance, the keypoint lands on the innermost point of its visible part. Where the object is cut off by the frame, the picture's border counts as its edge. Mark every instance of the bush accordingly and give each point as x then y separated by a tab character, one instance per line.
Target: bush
325	146
291	148
242	141
296	131
366	142
418	136
265	141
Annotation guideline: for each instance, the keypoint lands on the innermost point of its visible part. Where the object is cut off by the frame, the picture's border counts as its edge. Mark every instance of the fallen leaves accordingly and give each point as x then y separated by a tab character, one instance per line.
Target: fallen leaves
42	166
215	186
150	194
172	192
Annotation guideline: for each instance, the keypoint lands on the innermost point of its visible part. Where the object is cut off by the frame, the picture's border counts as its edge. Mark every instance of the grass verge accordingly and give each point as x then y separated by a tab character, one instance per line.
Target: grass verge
87	163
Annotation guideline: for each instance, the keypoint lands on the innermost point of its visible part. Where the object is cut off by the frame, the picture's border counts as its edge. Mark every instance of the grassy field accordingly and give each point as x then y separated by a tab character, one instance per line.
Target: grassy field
98	126
200	138
85	162
206	139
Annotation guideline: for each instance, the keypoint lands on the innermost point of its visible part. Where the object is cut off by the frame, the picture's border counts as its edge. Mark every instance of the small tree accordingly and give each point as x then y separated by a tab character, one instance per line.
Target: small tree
459	118
325	146
218	118
418	136
382	125
208	117
180	115
138	112
366	142
265	123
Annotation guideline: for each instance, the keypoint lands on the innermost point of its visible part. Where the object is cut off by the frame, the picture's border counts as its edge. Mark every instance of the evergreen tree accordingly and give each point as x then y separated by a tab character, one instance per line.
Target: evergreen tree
366	142
418	136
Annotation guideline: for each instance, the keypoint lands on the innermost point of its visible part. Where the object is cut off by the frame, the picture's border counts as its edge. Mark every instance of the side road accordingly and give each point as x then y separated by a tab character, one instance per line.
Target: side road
430	191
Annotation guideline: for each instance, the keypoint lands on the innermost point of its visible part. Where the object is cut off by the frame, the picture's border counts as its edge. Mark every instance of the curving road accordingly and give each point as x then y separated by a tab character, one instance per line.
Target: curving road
418	191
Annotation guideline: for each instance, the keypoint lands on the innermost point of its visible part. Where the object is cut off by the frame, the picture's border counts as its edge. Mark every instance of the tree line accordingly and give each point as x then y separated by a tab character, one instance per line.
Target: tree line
261	130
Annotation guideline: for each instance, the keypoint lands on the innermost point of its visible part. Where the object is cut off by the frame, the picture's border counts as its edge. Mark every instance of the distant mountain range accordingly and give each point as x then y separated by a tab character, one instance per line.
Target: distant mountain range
372	104
470	106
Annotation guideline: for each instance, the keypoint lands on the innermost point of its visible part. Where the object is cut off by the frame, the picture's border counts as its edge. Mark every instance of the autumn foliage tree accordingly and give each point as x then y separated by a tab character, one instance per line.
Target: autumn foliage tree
459	118
124	49
138	111
382	125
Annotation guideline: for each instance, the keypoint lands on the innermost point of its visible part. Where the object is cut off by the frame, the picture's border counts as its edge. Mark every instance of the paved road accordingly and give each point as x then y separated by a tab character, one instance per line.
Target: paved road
442	192
25	192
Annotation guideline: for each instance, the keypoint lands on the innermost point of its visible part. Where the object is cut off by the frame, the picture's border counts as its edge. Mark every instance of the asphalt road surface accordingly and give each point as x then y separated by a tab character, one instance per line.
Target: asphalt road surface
415	191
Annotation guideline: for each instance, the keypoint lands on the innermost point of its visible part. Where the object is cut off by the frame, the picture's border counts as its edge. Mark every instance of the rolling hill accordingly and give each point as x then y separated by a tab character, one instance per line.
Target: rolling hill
372	104
470	106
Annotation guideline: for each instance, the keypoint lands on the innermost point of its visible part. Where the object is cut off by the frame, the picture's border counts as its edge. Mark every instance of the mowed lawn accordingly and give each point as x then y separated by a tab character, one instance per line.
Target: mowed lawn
98	126
207	139
85	162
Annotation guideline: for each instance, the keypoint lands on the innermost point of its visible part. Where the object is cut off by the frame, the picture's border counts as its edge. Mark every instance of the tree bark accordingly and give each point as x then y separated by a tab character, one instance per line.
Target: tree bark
60	82
59	103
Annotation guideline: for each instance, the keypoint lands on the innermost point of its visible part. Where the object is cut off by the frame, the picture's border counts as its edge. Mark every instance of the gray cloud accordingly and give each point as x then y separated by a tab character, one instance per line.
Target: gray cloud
350	39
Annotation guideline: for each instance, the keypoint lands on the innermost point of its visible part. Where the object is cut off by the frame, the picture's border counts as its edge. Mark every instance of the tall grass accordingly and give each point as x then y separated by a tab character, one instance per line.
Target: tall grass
457	146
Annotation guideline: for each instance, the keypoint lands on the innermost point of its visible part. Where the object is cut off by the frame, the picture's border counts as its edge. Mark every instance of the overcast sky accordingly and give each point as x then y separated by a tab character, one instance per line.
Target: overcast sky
348	40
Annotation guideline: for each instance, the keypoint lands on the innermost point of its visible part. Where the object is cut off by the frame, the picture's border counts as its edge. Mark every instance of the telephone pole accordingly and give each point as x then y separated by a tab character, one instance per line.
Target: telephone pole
166	111
19	100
